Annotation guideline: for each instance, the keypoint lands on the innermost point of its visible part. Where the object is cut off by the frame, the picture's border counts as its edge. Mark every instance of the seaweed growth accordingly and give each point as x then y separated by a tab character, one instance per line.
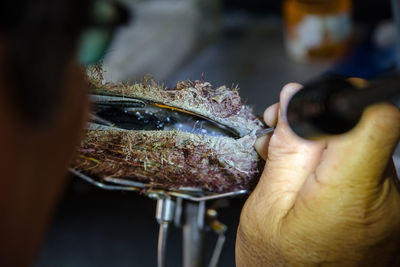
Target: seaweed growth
172	159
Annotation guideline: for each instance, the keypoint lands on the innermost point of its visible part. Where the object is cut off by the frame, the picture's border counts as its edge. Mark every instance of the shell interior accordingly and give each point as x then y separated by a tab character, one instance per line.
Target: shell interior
139	114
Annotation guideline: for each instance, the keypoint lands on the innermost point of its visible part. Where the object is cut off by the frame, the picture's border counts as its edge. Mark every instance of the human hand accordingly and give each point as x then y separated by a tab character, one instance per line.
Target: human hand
333	202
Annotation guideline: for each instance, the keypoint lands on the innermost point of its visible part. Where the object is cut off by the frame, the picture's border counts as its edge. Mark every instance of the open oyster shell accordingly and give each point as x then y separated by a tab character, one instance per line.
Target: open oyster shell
171	158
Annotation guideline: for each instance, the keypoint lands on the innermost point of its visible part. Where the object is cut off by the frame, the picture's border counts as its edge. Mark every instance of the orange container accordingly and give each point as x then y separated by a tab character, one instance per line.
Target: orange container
317	30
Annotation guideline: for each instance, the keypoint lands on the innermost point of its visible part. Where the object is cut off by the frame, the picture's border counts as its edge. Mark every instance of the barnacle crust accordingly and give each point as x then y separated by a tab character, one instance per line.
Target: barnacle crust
222	105
173	159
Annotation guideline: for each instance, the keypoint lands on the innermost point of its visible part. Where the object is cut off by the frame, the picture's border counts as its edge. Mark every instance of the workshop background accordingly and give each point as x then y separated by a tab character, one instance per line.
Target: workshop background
228	42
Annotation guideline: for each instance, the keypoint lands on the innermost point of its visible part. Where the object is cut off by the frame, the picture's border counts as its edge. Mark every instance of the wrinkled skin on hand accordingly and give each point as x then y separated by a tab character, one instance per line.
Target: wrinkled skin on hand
324	203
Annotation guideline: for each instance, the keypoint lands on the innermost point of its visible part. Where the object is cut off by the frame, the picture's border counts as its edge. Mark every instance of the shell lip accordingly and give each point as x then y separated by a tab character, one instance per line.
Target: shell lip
132	113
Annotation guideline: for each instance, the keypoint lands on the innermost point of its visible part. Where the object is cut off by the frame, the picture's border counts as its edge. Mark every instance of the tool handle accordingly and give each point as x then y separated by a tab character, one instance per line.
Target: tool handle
333	105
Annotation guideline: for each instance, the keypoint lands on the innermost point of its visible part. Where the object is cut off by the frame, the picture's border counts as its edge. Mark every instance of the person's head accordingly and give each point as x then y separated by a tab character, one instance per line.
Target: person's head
43	106
40	38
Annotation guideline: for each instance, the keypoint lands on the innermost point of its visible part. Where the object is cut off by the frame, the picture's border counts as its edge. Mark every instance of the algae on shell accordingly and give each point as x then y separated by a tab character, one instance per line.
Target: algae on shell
173	159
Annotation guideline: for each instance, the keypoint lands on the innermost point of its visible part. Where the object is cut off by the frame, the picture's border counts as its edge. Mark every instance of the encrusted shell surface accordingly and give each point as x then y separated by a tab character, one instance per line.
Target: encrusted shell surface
174	159
222	104
171	159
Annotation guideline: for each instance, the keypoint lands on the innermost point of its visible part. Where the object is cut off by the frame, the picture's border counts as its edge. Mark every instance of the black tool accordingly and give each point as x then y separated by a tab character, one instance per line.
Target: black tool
333	105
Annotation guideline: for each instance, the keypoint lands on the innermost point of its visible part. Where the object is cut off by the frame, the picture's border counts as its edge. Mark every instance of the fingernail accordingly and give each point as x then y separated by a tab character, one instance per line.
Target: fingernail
261	145
271	115
286	94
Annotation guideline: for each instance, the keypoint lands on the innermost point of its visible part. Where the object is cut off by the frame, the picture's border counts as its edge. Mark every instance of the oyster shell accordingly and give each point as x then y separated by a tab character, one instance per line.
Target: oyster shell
172	158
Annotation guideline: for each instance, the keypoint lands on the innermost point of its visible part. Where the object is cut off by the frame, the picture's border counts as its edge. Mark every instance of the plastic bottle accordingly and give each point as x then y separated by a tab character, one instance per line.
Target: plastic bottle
317	30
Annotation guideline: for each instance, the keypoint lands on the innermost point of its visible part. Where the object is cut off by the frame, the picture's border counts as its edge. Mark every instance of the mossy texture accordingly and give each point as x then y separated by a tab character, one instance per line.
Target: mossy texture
175	159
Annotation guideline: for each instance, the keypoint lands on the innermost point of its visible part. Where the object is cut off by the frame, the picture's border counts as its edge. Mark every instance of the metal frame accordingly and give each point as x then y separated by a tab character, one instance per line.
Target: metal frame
186	207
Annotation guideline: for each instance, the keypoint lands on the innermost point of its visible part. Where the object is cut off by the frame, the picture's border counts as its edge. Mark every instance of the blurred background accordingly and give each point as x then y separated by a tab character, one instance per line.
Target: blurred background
259	46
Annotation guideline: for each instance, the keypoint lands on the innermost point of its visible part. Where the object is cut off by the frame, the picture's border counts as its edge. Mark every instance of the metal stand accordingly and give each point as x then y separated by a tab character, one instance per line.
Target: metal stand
186	208
165	215
193	234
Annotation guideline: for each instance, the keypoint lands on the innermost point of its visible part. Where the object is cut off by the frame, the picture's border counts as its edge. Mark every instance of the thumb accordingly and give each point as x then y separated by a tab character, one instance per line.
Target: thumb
289	162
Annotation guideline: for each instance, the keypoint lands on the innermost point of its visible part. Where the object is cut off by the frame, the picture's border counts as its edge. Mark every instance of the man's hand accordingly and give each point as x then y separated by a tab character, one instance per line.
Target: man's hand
325	203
